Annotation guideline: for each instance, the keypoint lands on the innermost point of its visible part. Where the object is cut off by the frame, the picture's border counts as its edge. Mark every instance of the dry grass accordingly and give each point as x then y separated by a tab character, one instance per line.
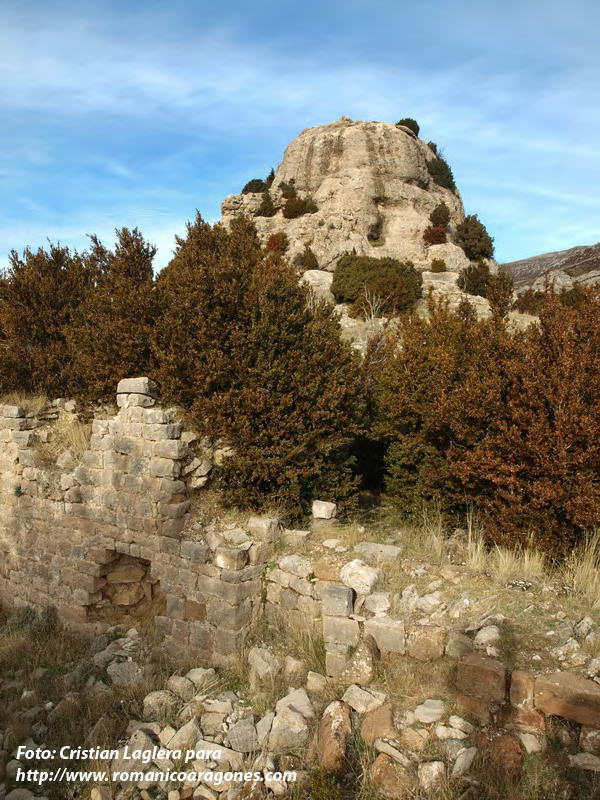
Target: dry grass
30	403
67	433
409	682
522	563
582	569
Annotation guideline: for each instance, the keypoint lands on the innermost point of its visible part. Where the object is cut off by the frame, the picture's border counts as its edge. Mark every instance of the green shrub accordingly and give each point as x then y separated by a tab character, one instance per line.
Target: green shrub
39	293
277	243
411	124
298	206
440	171
440	215
237	344
433	147
270	178
266	207
474	279
435	234
395	285
472	236
108	337
438	265
254	186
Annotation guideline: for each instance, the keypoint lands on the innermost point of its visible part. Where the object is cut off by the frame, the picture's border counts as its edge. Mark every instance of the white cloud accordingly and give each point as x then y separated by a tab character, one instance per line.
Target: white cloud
517	137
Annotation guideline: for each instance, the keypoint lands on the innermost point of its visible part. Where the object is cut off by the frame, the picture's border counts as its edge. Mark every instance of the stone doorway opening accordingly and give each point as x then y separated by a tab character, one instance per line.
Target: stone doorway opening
127	590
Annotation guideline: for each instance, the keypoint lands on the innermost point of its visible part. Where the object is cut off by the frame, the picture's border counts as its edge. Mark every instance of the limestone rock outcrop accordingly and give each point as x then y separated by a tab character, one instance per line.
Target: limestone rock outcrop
373	193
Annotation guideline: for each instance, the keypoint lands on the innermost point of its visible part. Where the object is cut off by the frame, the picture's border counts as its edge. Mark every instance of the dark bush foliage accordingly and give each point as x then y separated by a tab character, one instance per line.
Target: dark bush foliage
375	229
298	206
437	395
440	215
237	344
433	147
440	171
270	178
411	124
438	265
472	236
39	292
397	285
435	234
530	302
288	190
266	207
255	185
306	260
500	293
109	333
474	279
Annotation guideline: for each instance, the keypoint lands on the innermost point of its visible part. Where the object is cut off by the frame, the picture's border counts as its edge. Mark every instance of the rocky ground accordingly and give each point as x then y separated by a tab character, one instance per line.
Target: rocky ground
402	732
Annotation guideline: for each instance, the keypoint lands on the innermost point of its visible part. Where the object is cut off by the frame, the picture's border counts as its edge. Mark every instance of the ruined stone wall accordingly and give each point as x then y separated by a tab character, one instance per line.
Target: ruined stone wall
110	531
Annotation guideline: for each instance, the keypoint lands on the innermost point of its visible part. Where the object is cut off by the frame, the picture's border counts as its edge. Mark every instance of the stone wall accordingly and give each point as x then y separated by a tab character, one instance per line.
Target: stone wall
65	528
111	536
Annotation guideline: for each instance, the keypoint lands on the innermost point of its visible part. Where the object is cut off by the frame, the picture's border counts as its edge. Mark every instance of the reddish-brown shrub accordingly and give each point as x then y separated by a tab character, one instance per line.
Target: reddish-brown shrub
435	234
539	467
277	243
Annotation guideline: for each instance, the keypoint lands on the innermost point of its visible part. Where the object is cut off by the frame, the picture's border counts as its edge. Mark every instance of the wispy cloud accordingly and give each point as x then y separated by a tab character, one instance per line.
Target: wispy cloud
120	115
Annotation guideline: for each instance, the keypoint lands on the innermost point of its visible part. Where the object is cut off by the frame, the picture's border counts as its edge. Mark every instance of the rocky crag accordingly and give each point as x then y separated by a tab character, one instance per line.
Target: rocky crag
373	193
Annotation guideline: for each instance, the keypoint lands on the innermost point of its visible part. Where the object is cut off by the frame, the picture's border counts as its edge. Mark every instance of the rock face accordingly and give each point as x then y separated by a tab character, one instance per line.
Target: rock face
373	193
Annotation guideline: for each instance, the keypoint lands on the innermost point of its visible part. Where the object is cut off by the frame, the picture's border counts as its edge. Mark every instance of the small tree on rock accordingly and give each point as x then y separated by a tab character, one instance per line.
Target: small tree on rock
472	236
411	124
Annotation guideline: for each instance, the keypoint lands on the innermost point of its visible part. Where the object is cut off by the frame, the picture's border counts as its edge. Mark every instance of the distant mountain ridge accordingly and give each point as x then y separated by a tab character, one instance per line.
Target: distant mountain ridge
562	268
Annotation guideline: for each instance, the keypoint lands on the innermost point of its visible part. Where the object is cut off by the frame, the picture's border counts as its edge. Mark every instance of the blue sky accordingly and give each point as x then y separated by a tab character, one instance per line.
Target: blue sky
137	113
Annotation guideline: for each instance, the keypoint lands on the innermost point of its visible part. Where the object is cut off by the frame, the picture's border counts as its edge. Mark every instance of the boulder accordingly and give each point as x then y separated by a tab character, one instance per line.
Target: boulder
337	601
378	724
138	386
289	732
430	711
482	677
427	643
125	674
363	700
328	747
264	666
243	737
359	576
390	778
321	509
570	696
389	634
182	687
160	705
432	775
